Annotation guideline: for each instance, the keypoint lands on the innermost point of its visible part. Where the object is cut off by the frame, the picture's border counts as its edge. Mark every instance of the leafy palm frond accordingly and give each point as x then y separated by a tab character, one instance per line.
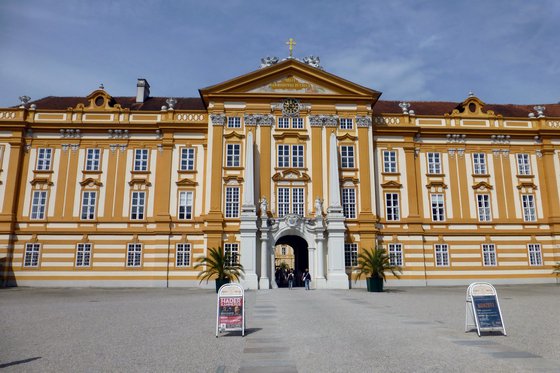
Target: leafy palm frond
556	269
374	263
219	265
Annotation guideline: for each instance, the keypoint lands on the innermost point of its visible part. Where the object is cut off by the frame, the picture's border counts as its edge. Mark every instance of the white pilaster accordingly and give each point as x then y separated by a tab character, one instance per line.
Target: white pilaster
264	282
248	225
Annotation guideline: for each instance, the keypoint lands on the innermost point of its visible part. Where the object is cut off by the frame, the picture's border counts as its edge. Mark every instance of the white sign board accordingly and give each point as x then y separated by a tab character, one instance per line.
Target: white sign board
484	311
230	313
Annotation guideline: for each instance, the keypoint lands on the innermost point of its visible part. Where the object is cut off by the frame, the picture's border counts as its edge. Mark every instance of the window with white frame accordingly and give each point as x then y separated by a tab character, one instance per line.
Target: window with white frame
535	254
44	159
93	157
38	204
283	122
231	251
442	255
291	201
350	254
297	156
523	165
346	123
297	123
183	255
233	155
185	205
234	122
349	203
434	163
347	156
291	156
88	205
134	255
187	159
479	162
83	254
483	204
489	255
438	207
232	202
529	213
138	205
31	255
389	161
141	159
283	156
396	254
392	206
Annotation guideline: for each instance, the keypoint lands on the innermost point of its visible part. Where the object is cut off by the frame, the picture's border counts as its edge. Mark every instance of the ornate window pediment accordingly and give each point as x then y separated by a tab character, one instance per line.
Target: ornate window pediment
287	135
41	181
391	185
91	182
527	186
436	184
347	137
291	175
139	182
101	101
234	134
186	182
472	107
233	180
482	186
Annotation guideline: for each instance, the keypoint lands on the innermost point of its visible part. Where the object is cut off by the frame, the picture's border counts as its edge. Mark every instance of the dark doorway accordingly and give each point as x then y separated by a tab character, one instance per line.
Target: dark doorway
301	262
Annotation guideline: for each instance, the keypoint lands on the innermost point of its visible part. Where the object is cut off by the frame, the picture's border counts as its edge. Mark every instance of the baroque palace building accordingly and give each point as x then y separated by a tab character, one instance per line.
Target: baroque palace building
132	191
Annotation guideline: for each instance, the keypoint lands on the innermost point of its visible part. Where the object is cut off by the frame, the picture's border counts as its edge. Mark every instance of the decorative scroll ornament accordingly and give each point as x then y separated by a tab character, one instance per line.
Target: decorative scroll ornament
324	120
293	221
218	119
259	119
269	61
363	121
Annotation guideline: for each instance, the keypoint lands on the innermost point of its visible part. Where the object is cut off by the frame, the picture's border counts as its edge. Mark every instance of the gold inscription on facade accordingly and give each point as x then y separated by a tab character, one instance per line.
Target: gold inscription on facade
290	83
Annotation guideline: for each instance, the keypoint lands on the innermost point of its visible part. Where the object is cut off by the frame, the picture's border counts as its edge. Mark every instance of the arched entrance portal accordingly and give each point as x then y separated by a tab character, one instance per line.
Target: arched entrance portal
291	250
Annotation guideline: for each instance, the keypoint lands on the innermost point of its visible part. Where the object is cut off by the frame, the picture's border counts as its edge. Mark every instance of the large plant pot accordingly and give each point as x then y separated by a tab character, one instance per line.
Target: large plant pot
374	284
220	282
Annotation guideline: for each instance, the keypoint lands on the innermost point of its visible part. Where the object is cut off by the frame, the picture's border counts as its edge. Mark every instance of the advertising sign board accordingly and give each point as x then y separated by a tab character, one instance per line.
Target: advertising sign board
230	315
484	309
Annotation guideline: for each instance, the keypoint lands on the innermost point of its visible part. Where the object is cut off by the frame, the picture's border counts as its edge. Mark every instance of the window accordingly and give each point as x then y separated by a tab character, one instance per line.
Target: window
38	205
283	122
185	205
83	254
92	159
283	155
141	160
44	159
138	205
183	255
297	156
438	209
483	203
442	255
392	206
231	251
528	207
291	201
283	250
389	161
233	155
434	163
489	255
187	159
535	255
232	202
346	123
88	205
479	161
297	123
350	254
347	156
234	122
395	254
134	255
523	166
349	203
32	255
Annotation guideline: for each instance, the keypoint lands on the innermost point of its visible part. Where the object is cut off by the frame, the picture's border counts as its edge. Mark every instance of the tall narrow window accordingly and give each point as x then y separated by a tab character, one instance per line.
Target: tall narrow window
438	208
389	161
185	205
183	255
283	155
88	205
442	255
141	160
347	156
138	205
479	162
31	255
44	159
233	155
291	201
283	122
529	213
38	204
297	156
234	122
187	159
232	202
297	123
298	201
392	206
396	254
283	201
483	203
349	203
489	255
350	254
231	251
434	163
83	254
535	255
523	165
346	123
92	159
134	255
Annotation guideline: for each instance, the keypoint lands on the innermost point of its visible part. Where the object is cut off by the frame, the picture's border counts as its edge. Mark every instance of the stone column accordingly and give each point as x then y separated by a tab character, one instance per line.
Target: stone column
264	281
248	225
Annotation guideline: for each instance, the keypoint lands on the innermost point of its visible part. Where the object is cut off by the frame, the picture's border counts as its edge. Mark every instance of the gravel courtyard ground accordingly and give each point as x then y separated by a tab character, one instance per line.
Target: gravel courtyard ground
172	330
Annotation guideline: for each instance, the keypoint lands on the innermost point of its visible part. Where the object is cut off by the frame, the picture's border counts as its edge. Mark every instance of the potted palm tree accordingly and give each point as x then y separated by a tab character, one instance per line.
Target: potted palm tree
220	266
374	264
556	270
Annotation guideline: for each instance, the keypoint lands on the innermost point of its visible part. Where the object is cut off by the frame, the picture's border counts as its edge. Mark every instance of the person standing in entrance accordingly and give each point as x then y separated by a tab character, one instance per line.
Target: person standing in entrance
291	279
306	278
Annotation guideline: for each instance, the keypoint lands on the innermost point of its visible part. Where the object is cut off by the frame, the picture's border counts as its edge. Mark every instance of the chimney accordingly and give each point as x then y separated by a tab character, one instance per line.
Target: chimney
143	90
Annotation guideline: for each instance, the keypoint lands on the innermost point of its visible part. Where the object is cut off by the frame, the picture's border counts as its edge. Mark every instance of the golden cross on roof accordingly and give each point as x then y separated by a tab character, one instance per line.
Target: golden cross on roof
291	43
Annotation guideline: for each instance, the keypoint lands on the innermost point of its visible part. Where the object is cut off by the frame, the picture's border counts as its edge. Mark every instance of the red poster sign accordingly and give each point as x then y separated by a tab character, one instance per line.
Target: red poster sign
230	315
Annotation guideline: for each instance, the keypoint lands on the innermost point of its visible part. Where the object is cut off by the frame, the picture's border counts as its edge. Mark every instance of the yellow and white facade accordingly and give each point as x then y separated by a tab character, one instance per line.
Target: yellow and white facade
131	191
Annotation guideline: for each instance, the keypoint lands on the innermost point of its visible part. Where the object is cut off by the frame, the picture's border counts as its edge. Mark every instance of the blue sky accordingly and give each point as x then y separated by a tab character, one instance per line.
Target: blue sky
504	51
